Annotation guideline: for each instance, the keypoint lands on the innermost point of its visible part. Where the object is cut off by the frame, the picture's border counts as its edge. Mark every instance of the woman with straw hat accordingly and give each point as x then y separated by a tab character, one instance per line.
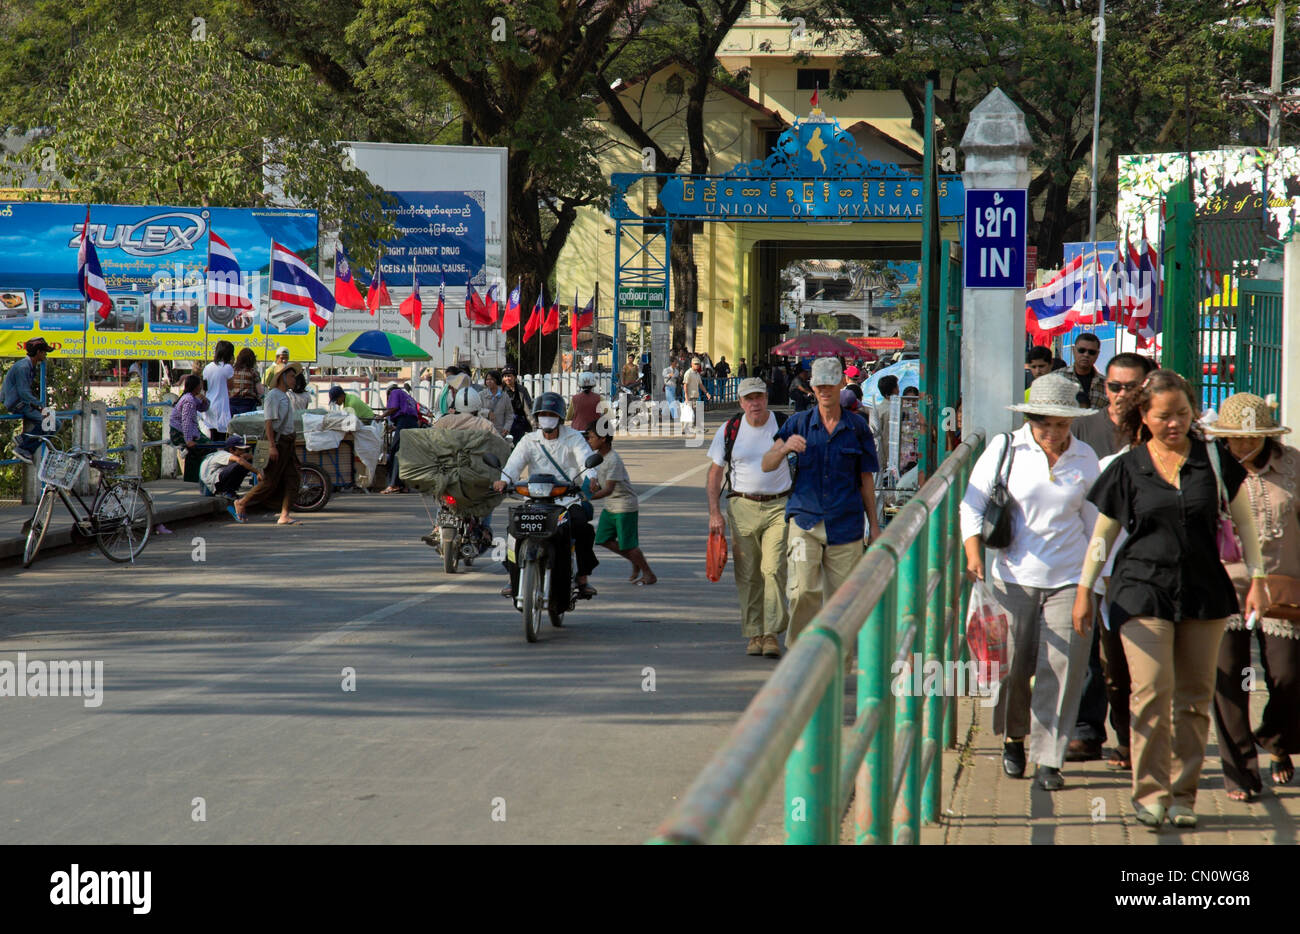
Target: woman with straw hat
1169	594
281	478
1247	423
1047	473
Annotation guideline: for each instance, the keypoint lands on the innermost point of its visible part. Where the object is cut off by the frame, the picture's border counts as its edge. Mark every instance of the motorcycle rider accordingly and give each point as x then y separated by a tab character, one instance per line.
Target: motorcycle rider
555	449
463	409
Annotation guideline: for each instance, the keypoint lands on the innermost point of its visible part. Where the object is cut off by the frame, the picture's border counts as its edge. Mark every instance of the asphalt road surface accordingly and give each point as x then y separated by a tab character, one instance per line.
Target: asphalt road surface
224	685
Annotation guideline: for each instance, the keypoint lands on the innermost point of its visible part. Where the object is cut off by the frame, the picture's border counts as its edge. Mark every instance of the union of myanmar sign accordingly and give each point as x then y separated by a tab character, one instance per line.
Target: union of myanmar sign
816	172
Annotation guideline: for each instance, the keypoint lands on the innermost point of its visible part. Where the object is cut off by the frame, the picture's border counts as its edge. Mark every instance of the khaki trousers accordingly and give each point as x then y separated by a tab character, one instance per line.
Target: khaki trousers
758	547
816	571
1172	667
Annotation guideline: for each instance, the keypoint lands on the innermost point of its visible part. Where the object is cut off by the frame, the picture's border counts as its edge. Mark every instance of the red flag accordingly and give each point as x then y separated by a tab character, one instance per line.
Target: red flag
436	319
534	320
412	309
378	293
346	294
511	318
816	89
473	305
580	321
551	322
491	305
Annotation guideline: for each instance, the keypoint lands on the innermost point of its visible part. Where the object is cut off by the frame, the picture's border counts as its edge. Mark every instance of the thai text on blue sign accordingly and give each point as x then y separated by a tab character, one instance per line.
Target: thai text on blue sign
994	254
442	234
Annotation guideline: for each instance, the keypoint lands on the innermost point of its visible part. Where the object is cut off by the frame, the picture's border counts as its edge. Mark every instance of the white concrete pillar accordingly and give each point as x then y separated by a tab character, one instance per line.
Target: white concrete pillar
996	146
1289	400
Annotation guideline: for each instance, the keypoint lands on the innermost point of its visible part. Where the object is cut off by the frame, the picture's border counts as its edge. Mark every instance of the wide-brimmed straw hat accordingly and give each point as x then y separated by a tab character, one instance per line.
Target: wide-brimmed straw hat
1245	414
281	368
1052	395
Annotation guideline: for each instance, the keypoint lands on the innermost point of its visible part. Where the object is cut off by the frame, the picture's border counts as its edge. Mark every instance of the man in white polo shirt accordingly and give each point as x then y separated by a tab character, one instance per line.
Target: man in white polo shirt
756	503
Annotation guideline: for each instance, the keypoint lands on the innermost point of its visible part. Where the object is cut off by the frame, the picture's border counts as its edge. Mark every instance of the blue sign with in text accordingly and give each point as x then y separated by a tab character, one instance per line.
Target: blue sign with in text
993	247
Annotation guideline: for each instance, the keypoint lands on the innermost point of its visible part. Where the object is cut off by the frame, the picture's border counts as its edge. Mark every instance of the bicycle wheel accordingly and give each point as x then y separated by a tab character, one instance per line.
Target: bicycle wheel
40	522
314	489
123	521
531	577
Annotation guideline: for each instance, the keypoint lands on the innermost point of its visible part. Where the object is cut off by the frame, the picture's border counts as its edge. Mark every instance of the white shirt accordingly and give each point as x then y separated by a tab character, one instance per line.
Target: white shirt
752	443
570	450
217	417
210	469
1051	519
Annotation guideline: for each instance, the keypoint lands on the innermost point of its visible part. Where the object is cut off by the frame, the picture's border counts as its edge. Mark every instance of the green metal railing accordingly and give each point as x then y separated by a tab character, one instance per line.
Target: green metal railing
905	604
1259	353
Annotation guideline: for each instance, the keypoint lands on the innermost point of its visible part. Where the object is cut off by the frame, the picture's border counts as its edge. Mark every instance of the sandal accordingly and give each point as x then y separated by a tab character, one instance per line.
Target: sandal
1119	760
1282	770
1240	795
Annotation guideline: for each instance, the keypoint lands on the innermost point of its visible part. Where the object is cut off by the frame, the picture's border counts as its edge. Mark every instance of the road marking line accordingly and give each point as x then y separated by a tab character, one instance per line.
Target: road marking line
653	491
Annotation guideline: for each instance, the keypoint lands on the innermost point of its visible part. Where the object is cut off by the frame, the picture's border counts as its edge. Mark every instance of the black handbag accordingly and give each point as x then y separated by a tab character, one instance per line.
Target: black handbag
996	529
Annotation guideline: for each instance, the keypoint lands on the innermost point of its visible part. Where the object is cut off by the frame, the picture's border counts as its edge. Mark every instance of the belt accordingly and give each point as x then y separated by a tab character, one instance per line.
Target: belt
760	497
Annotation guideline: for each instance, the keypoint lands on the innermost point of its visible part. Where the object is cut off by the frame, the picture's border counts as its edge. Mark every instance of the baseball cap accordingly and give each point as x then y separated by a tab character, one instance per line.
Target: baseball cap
36	344
750	385
826	371
852	371
282	350
336	392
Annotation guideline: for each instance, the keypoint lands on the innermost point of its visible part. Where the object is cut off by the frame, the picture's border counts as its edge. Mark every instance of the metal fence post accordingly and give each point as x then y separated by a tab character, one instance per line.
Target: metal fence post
935	617
813	767
167	466
952	596
873	806
911	612
133	457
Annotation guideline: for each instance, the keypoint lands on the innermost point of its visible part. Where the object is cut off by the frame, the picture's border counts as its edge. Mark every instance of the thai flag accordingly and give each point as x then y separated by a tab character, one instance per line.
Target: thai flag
90	278
293	282
1074	296
225	281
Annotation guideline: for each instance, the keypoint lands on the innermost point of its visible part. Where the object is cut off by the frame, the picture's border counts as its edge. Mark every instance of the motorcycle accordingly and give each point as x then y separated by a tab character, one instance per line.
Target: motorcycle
537	529
458	537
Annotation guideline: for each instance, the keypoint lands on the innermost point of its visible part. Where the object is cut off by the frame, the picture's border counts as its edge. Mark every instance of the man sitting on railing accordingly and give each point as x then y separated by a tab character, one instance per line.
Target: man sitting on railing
20	396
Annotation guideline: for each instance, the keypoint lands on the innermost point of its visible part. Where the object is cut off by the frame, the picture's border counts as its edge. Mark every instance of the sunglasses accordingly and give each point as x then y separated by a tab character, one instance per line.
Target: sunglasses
1117	387
1087	350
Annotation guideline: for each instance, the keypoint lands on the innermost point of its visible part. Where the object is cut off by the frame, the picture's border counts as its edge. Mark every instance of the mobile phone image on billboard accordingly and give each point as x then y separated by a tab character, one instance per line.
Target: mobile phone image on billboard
17	309
62	310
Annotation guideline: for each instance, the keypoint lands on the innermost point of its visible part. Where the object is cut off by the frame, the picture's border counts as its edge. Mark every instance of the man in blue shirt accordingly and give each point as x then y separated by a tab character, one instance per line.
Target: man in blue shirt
19	396
832	489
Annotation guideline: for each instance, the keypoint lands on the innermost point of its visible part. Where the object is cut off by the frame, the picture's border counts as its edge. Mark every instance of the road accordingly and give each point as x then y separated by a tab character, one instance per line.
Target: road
224	680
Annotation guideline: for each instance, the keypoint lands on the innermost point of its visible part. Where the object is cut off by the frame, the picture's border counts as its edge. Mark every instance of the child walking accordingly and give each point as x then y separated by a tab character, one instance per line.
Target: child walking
617	528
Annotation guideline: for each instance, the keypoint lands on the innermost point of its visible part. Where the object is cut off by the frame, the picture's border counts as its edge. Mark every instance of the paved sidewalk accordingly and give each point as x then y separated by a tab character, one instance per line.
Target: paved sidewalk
173	501
986	806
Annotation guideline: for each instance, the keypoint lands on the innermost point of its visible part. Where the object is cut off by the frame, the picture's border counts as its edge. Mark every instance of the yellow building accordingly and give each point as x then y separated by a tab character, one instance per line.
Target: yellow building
739	262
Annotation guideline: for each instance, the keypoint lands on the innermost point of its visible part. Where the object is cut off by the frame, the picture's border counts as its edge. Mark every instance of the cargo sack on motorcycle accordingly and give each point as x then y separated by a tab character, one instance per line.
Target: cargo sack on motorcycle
449	461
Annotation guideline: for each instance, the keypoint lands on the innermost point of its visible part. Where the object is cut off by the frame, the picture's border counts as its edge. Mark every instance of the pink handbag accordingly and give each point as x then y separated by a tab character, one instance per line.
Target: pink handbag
1229	547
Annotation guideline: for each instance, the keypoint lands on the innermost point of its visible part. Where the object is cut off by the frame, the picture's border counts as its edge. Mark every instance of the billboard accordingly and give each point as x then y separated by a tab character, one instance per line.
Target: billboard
457	231
154	260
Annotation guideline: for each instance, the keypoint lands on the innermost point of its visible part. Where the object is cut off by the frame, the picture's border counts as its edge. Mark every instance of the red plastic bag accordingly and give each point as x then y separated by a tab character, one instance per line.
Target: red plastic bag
716	557
986	635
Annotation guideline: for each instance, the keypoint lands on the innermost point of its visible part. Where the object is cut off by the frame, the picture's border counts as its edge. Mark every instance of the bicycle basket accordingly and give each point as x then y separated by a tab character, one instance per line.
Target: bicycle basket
61	469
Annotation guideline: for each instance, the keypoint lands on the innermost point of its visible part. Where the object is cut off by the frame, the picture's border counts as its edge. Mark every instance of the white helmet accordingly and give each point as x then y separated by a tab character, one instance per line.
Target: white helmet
466	401
586	379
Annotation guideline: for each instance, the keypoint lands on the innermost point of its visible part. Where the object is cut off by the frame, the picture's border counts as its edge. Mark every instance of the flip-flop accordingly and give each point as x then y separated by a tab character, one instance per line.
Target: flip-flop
290	522
236	516
645	583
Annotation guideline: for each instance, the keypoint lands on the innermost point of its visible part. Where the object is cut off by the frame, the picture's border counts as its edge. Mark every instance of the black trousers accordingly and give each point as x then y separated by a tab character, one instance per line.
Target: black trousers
584	553
1118	683
1091	724
1279	727
399	422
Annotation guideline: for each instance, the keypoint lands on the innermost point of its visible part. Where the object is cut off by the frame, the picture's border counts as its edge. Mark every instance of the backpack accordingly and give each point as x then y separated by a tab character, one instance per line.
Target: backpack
731	430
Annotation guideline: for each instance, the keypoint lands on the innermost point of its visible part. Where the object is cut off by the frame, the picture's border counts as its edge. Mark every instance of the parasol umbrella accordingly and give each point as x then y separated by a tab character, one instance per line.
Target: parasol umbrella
907	371
375	345
817	345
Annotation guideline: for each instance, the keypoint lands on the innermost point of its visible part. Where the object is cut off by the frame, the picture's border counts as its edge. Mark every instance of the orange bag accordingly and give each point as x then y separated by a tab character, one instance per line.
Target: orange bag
716	558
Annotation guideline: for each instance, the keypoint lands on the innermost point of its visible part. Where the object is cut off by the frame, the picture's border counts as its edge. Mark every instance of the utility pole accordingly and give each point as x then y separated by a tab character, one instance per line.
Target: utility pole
1275	83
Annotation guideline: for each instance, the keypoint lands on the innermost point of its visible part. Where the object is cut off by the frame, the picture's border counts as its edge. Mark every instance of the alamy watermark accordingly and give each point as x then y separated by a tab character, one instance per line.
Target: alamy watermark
55	678
916	677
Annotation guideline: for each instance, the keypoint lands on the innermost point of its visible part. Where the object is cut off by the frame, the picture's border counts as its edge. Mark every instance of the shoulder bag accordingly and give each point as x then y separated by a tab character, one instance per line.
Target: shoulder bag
1229	548
996	528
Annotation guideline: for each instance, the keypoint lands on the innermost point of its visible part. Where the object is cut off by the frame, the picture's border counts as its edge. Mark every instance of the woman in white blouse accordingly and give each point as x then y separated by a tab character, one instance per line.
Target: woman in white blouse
1035	576
216	376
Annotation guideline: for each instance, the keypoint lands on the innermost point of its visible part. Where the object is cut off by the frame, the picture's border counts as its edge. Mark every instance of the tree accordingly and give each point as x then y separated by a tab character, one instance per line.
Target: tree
211	128
519	73
1159	88
688	32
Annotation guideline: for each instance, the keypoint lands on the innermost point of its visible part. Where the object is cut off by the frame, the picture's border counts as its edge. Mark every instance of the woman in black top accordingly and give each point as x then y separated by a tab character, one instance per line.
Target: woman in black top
1168	590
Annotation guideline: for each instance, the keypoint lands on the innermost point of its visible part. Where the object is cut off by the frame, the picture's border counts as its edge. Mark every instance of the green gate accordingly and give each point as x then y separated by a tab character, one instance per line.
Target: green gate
1259	354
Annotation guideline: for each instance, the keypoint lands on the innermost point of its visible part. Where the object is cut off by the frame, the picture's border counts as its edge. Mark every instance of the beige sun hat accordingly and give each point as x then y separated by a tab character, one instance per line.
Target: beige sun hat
1244	414
1052	395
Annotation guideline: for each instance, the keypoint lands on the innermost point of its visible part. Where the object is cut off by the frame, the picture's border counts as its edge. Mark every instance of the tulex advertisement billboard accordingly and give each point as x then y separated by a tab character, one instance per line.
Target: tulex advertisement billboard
154	260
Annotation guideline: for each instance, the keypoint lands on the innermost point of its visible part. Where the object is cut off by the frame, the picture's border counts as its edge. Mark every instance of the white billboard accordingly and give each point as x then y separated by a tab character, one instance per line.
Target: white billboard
451	214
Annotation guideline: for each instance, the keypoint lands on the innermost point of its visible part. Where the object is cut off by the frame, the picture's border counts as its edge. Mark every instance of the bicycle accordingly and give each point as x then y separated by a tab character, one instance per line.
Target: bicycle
119	517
